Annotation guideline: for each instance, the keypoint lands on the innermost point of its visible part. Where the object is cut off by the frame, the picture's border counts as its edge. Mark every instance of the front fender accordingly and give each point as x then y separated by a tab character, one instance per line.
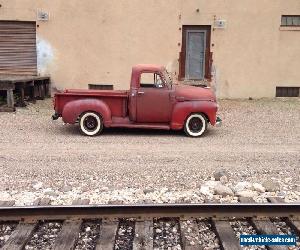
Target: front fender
183	109
73	109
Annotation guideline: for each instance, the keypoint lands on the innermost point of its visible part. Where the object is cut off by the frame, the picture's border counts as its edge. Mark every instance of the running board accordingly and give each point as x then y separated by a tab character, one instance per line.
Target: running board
139	125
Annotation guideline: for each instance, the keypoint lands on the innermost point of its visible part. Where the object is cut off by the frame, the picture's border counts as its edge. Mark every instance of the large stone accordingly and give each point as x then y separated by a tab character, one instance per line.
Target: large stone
243	185
224	179
206	190
212	184
66	189
51	193
38	185
247	193
219	173
258	187
271	185
148	190
223	190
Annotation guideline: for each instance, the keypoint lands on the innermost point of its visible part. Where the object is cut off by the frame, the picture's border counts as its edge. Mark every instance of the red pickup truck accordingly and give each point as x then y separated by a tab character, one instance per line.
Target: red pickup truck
152	102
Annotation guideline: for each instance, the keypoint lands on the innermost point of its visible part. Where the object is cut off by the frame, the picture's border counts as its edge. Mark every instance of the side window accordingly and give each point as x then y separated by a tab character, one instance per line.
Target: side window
151	80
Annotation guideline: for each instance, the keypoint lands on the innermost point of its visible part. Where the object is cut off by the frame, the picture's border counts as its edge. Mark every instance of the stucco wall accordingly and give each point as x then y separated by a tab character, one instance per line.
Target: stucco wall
98	41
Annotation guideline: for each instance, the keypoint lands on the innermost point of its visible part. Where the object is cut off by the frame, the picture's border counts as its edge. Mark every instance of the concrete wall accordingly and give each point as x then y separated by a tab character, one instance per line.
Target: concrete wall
98	41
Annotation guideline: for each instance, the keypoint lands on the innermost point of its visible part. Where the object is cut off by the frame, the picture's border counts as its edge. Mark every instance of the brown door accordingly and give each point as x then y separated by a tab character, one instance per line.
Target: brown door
18	54
195	56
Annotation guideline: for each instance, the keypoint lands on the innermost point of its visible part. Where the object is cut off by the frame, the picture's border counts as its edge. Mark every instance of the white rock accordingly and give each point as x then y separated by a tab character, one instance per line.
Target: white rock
223	190
247	193
38	185
258	187
271	185
224	179
5	196
212	184
243	185
206	190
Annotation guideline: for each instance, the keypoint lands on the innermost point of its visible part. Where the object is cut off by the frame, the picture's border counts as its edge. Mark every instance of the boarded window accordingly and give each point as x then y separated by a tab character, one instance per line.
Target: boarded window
287	91
18	48
290	20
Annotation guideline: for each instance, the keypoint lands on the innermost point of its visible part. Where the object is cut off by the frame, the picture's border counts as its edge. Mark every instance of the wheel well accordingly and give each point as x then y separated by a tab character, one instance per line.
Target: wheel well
91	111
205	115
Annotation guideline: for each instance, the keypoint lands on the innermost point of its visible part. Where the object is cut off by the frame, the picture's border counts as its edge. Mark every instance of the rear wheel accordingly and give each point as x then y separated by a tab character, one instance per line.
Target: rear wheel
195	125
90	123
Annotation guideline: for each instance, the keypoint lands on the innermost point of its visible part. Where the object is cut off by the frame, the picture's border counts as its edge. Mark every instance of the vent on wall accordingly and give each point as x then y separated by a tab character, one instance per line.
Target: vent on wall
287	91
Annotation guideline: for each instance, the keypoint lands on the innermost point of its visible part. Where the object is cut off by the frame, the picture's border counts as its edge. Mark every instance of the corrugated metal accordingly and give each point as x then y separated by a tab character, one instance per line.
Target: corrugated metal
18	48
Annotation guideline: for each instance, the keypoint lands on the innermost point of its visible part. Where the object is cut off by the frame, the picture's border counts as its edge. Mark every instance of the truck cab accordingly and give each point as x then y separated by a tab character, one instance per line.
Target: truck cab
152	102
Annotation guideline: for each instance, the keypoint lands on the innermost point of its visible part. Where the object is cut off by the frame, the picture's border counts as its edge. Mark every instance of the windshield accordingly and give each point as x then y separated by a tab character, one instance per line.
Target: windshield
167	78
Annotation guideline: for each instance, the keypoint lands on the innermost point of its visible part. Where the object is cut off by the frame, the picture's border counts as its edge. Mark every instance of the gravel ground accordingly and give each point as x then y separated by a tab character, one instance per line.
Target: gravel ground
5	231
244	227
166	234
207	237
88	235
45	236
283	228
125	234
259	141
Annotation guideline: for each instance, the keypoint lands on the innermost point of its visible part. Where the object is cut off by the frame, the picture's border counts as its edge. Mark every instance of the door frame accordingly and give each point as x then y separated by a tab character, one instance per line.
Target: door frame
188	31
208	54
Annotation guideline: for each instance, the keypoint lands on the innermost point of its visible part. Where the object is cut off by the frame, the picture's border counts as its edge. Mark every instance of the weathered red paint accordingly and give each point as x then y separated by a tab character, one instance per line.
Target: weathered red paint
156	108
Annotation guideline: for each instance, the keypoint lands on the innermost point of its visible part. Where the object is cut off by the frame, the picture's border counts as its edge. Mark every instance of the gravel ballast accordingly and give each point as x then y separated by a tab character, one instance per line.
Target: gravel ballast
259	141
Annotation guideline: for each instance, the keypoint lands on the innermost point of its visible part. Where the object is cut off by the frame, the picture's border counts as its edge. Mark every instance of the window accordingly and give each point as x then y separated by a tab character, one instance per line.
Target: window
293	20
151	80
287	91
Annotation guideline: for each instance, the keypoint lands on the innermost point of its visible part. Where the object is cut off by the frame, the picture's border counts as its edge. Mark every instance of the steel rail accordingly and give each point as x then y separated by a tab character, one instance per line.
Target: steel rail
143	211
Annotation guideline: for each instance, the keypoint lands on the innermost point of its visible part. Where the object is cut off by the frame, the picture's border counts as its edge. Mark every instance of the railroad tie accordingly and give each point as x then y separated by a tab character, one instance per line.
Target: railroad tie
226	235
69	233
263	226
293	223
143	237
108	232
22	234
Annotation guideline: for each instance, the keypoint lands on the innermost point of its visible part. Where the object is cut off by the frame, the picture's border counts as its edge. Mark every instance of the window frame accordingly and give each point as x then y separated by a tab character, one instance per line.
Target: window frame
284	21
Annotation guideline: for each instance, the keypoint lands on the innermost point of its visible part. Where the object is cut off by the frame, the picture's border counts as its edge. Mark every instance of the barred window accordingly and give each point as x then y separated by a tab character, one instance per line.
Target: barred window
293	20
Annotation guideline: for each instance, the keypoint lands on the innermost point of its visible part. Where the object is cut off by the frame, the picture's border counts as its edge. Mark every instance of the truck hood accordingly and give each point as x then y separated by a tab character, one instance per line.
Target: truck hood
191	93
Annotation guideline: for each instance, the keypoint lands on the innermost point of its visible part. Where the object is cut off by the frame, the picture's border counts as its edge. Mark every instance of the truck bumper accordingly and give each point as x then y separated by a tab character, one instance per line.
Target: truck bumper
218	122
55	116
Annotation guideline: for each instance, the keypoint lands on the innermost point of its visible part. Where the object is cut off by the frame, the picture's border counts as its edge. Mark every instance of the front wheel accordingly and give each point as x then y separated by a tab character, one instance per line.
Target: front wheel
195	125
90	123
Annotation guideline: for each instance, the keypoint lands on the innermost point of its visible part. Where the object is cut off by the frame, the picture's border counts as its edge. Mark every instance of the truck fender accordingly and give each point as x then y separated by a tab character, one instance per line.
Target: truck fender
74	109
182	110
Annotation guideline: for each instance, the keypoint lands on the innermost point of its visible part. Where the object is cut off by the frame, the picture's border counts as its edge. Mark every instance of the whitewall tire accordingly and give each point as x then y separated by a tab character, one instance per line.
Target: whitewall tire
195	125
90	123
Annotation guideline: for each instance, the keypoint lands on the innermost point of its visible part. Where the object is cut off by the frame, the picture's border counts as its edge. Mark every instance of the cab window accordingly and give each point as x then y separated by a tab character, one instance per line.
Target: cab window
151	80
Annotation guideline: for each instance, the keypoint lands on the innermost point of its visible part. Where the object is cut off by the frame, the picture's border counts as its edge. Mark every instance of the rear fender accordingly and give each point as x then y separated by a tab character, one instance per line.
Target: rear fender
72	110
183	109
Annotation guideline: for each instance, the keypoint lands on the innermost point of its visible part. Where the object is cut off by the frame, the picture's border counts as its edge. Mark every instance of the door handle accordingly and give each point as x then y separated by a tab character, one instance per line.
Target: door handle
141	92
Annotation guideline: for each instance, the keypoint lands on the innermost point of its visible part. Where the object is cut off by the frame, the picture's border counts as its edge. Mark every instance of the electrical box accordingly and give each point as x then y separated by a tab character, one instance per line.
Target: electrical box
220	24
43	15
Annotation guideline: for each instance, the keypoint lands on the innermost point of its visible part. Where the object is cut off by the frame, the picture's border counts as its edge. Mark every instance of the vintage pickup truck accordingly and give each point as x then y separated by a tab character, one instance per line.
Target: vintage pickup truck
152	102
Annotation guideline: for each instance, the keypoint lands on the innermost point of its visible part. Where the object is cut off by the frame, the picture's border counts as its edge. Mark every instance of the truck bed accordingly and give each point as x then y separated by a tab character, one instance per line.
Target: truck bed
113	93
116	99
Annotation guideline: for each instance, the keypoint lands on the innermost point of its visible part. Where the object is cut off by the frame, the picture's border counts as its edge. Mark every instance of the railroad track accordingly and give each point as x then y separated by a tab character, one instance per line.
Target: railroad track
159	226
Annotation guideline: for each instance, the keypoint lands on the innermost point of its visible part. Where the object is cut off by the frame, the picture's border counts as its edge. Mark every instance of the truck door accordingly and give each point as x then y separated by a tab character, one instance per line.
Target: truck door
153	99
